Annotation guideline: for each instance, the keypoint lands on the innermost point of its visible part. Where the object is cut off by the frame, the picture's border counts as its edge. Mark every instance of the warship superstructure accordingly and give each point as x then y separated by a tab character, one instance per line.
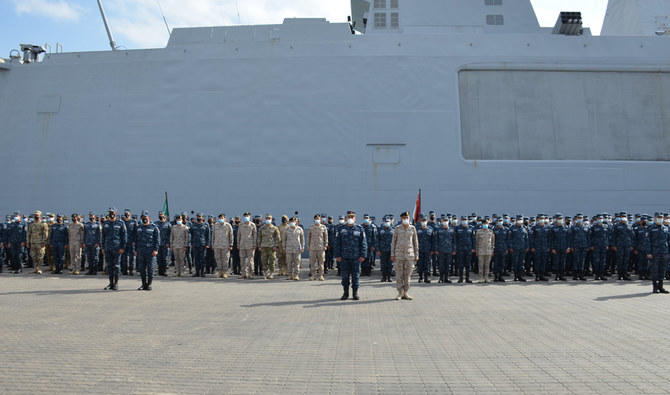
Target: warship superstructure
470	100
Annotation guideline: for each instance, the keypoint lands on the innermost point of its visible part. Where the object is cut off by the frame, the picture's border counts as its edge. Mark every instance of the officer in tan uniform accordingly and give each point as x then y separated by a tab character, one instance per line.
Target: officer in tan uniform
283	270
404	252
317	244
293	243
179	241
269	239
484	244
222	243
246	242
38	238
75	232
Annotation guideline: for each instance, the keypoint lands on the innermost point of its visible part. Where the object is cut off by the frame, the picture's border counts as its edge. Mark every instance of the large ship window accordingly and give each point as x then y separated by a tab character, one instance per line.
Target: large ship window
495	20
493	2
395	20
380	20
380	3
394	3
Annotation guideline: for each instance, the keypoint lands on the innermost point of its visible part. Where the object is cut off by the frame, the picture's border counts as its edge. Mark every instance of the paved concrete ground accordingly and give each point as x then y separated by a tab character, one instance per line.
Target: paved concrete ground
64	334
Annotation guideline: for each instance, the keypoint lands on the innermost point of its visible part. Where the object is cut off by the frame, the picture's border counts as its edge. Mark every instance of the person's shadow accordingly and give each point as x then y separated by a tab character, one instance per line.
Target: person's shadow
627	296
63	292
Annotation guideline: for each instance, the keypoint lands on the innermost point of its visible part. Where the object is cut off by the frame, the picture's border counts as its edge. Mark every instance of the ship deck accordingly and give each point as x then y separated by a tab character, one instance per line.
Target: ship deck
64	334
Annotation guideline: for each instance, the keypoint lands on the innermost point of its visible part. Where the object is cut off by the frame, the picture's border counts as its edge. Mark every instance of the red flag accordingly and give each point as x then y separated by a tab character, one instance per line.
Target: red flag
417	208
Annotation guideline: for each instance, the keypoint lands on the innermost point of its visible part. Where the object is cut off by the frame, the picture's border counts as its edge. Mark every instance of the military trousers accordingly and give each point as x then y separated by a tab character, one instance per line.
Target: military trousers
464	260
350	270
385	263
499	258
657	267
222	256
403	273
540	262
145	265
316	262
423	266
579	258
484	266
162	259
75	257
622	260
179	259
599	260
445	261
268	259
235	254
247	262
198	253
113	259
517	261
560	259
283	268
58	251
293	264
15	256
92	258
37	254
127	260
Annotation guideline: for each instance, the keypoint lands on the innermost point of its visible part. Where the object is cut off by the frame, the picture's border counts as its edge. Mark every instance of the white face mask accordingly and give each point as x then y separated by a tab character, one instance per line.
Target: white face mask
341	222
659	221
445	224
291	224
405	222
317	221
246	219
268	222
179	222
351	221
424	224
560	222
454	222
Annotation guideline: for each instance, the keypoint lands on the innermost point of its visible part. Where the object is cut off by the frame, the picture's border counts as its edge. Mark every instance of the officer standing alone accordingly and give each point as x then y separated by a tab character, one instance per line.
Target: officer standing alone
351	250
147	243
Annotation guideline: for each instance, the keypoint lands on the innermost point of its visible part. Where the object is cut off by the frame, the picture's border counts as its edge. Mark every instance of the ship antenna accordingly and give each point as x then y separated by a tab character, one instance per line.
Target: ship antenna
109	33
163	15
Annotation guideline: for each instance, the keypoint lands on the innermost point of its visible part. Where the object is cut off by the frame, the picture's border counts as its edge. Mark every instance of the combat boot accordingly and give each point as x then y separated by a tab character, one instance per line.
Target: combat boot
400	295
426	279
115	284
661	289
148	288
655	287
320	278
467	278
420	277
406	296
345	295
355	295
143	287
500	278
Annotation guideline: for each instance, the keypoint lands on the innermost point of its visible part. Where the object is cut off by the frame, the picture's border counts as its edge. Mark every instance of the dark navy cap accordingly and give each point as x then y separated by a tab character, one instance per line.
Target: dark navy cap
145	213
422	216
111	210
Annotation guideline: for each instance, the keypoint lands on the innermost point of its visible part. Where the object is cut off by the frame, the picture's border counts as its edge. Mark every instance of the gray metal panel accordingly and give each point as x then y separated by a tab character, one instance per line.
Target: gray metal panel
565	115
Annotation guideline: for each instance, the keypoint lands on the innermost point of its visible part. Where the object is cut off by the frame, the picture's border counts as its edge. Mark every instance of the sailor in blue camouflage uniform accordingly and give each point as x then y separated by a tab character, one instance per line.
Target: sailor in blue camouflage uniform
58	239
599	244
435	225
622	244
518	247
445	249
164	226
427	245
92	240
114	241
560	246
200	237
330	225
642	247
147	242
128	257
371	238
465	247
658	241
3	241
384	240
580	243
539	245
351	249
15	238
500	249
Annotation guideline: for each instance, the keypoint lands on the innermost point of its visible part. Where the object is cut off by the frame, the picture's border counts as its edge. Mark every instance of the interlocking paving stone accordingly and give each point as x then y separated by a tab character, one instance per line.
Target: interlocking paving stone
64	334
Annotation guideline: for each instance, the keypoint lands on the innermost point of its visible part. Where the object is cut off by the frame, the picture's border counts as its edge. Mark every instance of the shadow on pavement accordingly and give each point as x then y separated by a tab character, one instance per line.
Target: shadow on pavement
63	292
307	304
628	296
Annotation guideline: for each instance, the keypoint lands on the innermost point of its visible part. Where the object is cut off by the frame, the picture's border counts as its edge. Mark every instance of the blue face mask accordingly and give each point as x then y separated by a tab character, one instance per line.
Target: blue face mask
221	220
267	222
245	219
485	226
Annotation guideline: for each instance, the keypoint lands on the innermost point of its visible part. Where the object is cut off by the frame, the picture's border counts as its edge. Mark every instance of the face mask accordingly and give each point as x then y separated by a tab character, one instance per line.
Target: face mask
579	221
424	224
221	220
341	222
351	221
245	219
445	224
454	222
367	221
560	222
506	221
17	219
387	224
624	220
659	221
316	221
485	226
268	222
179	222
500	224
519	223
405	222
145	220
291	224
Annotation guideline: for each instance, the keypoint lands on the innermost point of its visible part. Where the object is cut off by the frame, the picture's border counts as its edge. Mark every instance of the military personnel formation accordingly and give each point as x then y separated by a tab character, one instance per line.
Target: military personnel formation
446	247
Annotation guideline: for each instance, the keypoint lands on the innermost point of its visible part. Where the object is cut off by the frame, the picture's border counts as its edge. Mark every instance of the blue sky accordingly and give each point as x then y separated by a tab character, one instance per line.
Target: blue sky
77	26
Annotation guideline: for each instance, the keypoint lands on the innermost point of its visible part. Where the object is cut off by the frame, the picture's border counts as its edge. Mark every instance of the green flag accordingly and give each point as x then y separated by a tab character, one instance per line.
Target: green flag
166	207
